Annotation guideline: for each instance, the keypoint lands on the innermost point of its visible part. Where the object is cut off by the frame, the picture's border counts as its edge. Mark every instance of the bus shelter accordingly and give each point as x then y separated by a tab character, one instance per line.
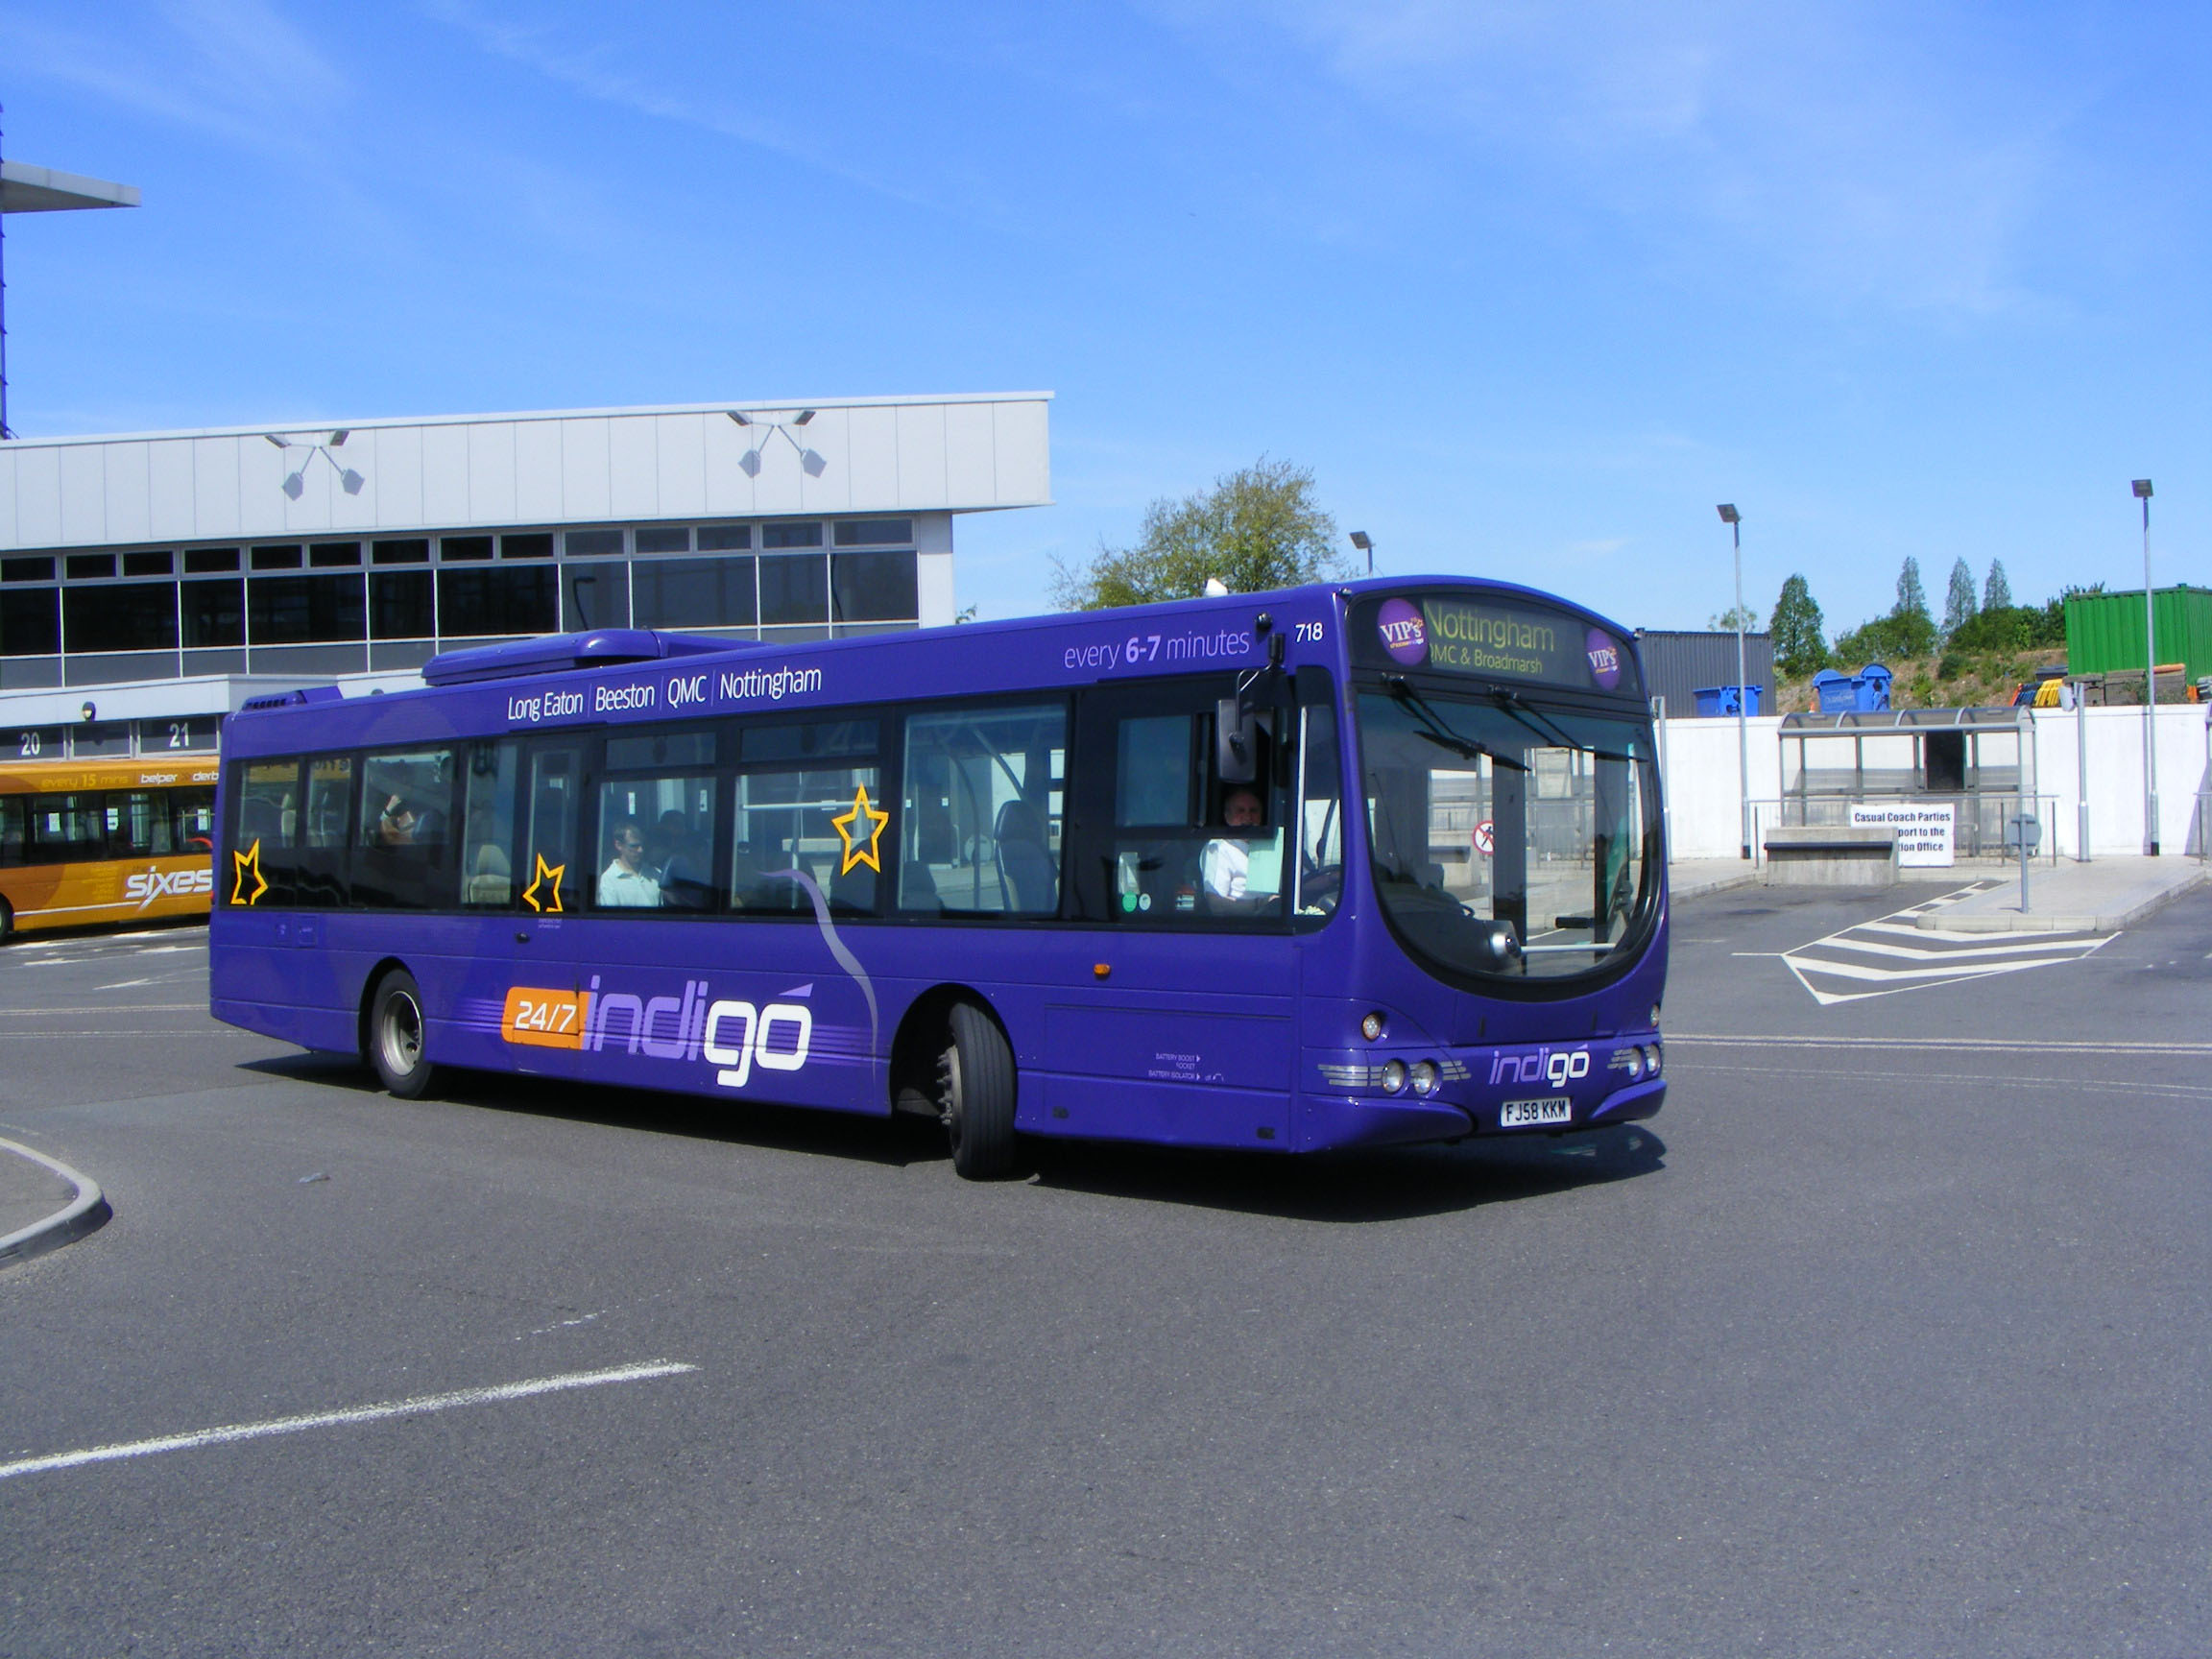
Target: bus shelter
1981	761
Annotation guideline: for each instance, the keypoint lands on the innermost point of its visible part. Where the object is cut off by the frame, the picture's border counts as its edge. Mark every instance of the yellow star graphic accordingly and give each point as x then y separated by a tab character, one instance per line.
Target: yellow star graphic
546	872
249	863
846	823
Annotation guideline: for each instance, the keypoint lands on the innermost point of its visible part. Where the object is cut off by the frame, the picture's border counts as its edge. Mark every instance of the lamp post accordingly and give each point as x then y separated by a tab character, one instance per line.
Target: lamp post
1735	523
2149	679
1361	540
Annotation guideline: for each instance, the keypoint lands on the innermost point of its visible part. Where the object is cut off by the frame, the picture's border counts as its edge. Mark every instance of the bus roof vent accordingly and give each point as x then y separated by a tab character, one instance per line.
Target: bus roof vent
563	652
292	699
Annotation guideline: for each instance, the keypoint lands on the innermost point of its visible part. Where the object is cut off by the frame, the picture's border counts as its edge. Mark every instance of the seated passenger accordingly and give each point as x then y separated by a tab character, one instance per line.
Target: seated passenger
624	882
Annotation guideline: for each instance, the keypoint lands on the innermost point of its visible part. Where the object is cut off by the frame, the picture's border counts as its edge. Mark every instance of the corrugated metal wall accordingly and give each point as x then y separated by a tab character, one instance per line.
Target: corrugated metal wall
1675	665
2105	632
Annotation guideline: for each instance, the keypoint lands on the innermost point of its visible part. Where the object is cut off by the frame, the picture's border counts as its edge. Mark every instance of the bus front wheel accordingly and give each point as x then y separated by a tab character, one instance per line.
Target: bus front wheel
975	1087
396	1036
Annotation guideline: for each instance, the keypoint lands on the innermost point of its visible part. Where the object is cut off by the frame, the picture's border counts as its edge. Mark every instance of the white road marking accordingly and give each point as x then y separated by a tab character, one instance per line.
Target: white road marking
102	1008
1944	957
643	1371
1987	1044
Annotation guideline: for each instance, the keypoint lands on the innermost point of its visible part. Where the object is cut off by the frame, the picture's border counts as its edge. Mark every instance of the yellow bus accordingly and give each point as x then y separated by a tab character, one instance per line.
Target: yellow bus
84	842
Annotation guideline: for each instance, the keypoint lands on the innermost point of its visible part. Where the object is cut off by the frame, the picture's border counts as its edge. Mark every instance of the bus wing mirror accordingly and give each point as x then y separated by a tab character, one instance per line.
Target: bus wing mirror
1235	742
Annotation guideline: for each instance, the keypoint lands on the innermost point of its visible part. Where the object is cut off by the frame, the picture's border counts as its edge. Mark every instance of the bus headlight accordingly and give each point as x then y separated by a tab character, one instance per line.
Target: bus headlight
1424	1076
1393	1076
1652	1059
1372	1026
1634	1066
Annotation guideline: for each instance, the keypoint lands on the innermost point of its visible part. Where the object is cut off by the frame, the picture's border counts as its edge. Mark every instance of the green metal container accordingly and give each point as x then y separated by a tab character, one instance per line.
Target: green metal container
2105	632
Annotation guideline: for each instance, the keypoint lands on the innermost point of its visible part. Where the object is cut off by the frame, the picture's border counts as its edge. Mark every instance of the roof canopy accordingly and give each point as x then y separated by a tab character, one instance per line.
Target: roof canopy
28	189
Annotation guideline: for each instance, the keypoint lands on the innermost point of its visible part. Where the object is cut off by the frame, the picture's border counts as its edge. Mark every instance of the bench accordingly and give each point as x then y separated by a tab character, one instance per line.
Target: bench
1831	855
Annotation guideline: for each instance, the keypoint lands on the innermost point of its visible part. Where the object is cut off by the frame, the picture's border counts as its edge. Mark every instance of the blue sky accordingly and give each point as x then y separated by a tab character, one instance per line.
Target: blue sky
1528	286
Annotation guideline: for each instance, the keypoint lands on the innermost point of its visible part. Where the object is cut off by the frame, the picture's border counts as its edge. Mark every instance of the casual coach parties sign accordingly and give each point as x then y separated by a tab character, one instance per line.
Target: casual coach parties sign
1501	641
1924	828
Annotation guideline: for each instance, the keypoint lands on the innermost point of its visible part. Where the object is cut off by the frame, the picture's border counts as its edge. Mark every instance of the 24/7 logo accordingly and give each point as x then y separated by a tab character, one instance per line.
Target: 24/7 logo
154	884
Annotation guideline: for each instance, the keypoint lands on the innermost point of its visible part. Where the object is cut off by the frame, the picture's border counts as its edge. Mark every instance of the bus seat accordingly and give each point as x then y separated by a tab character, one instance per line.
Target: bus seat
918	889
1027	870
491	879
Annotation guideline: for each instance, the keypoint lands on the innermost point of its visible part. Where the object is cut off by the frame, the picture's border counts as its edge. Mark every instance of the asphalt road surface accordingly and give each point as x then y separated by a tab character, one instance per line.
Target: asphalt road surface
1889	1337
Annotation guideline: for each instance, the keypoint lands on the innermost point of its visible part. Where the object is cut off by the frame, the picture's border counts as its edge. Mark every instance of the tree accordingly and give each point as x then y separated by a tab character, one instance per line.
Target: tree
1799	649
1256	529
1997	593
1729	619
1958	600
1911	597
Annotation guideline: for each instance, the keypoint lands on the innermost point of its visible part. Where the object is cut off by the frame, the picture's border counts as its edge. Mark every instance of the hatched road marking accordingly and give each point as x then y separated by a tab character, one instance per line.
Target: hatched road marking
1914	958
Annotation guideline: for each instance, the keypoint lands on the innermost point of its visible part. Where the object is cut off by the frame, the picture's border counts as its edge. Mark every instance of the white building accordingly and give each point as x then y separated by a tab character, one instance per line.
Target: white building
150	583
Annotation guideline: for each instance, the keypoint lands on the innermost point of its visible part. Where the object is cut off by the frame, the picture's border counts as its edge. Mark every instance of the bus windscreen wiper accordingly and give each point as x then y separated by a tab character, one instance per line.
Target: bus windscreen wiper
1514	706
1438	731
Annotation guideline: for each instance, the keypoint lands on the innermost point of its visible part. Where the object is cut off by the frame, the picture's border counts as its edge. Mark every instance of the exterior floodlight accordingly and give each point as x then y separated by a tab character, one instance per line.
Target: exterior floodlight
804	416
280	442
1729	515
2142	489
749	462
90	711
1366	544
340	436
741	419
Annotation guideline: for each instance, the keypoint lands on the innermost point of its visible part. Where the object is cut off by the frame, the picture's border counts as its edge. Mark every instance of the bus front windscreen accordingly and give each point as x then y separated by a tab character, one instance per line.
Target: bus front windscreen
1510	838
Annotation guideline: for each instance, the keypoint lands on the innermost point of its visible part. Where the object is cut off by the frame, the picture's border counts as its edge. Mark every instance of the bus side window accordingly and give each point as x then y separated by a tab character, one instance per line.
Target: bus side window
193	811
405	861
10	830
982	811
488	825
145	824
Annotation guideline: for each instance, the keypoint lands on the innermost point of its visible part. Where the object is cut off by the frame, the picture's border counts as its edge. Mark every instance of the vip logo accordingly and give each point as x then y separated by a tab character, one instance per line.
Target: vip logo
174	884
1557	1066
1404	634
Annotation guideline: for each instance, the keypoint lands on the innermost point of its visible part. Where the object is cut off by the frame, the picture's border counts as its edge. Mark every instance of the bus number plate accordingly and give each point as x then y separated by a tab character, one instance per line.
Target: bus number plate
546	1019
1520	1114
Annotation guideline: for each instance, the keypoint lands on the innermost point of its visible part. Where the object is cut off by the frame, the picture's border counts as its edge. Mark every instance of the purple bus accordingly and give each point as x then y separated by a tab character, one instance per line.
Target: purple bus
1336	866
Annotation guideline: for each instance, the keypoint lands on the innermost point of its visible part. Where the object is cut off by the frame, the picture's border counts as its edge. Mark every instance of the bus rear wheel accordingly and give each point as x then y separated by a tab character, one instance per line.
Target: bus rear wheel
395	1032
7	921
976	1092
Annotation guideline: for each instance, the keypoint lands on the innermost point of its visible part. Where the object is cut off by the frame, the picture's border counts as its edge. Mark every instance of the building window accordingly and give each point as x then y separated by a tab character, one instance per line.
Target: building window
304	610
129	616
200	559
400	605
874	586
725	538
876	533
593	543
694	593
325	555
794	589
148	563
663	540
536	544
273	558
594	597
791	535
31	570
30	622
452	550
410	552
83	567
215	613
521	600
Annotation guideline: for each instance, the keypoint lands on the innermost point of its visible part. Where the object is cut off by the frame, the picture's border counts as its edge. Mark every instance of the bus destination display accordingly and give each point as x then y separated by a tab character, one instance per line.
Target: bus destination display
1496	639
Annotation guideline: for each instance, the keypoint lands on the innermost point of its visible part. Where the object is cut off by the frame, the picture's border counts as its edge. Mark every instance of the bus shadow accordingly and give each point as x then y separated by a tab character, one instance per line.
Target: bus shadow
1389	1183
1394	1184
779	1128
